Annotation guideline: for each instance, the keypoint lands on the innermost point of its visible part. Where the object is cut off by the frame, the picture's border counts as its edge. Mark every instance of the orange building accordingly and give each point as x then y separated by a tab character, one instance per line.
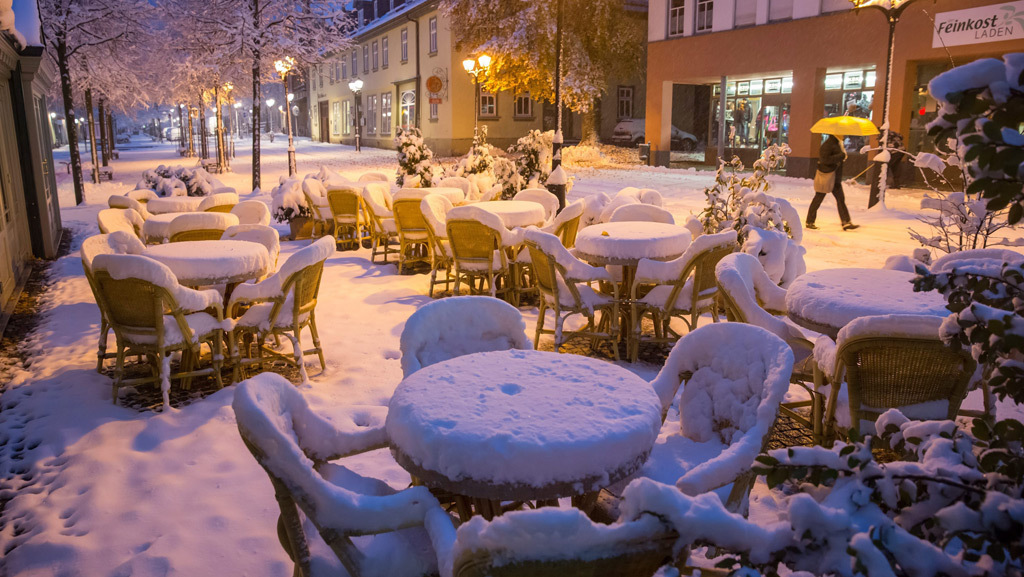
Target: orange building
787	63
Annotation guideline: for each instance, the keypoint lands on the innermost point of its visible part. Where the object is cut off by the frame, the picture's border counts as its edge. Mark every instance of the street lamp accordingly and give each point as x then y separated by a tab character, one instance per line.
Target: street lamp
892	9
355	86
238	133
477	67
283	66
270	114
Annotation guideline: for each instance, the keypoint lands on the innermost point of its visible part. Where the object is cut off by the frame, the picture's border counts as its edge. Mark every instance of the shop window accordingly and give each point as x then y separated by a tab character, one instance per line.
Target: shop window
835	5
756	113
408	109
385	113
746	13
376	54
780	10
371	114
488	105
432	28
335	117
675	17
523	106
704	16
625	102
384	51
346	117
405	44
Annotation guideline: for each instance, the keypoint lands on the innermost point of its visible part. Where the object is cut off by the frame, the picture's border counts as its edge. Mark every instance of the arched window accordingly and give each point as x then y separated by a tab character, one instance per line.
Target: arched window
408	119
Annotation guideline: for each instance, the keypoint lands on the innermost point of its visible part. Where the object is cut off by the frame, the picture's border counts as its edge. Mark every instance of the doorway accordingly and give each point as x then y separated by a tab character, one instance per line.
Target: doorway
325	135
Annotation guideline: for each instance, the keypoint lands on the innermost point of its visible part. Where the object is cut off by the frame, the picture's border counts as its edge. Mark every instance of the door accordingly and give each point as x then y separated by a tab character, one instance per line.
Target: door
325	132
15	247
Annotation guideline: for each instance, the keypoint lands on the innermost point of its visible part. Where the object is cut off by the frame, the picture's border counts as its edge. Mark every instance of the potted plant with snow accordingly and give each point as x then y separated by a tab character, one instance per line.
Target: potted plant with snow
288	204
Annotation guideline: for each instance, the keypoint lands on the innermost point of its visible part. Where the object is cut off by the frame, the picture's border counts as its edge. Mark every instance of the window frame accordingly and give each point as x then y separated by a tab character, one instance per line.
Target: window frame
344	69
346	117
366	59
432	35
680	18
335	118
375	50
404	41
384	52
704	10
385	113
622	99
355	62
371	114
519	98
494	105
407	110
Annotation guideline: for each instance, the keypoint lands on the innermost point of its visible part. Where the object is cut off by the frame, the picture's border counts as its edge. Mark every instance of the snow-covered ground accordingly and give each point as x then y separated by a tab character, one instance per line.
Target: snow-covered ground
97	489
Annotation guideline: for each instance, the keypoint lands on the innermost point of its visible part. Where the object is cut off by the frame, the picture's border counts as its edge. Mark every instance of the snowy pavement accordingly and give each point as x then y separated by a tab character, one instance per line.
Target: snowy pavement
96	489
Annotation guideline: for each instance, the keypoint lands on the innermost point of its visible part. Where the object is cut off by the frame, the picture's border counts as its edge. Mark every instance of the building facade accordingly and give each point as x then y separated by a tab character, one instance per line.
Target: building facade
784	64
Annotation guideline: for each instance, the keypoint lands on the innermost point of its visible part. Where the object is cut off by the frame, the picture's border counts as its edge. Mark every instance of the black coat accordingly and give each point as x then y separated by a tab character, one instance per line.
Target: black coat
831	155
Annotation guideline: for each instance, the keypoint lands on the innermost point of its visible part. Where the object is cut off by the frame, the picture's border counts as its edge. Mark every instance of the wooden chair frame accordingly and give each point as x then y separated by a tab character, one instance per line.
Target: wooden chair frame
380	238
440	259
473	242
197	234
345	206
412	233
317	216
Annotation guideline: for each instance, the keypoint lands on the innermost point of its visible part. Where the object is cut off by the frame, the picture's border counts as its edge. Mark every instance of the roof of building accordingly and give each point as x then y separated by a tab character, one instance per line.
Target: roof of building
373	20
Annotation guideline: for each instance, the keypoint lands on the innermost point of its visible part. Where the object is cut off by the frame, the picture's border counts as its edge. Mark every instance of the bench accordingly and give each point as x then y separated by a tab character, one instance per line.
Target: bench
116	155
105	173
212	166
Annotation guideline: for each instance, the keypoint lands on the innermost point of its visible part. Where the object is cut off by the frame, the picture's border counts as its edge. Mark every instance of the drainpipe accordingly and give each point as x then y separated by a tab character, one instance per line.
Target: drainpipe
419	103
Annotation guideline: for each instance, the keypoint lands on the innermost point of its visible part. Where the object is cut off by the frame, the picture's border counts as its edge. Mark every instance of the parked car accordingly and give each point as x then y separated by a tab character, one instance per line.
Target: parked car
631	132
124	138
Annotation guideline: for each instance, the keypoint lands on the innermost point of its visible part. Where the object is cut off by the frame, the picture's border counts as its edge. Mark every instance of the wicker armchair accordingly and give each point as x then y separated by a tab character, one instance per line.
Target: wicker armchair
480	246
118	201
200	226
124	219
252	212
641	213
435	208
319	212
541	197
380	219
282	305
894	361
412	232
567	223
345	207
563	281
119	242
296	447
219	202
684	288
152	315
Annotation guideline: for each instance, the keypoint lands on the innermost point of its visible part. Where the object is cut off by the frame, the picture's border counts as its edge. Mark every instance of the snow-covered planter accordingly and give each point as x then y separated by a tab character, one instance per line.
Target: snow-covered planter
179	181
414	159
288	201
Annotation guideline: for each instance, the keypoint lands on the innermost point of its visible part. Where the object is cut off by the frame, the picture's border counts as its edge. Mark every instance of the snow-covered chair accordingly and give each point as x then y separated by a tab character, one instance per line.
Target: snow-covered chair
541	197
200	226
377	204
118	242
344	202
564	284
642	213
593	206
619	201
258	233
153	315
651	197
219	202
947	262
684	288
893	362
142	195
252	212
219	188
480	245
413	244
550	541
315	194
435	209
456	326
296	446
114	219
283	304
735	377
373	177
491	194
118	201
460	182
566	224
746	291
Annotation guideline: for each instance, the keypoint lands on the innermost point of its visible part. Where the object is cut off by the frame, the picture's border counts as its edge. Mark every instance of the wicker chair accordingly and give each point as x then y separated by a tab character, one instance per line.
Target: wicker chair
641	213
200	226
563	281
124	219
258	233
152	315
320	213
295	447
435	208
143	195
567	223
345	208
119	242
252	212
118	201
541	197
684	288
380	219
480	246
894	361
746	291
282	305
412	232
219	202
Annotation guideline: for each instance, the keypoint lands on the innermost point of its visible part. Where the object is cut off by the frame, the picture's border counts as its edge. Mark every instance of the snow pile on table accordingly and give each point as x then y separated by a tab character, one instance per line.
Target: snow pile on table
541	197
258	233
976	258
457	326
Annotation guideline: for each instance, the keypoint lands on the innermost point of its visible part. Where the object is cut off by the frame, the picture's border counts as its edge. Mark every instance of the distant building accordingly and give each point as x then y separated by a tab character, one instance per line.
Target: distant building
787	63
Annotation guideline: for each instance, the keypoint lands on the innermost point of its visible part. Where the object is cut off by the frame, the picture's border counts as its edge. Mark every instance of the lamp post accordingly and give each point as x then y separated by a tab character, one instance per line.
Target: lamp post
238	133
476	67
270	115
892	9
356	86
283	66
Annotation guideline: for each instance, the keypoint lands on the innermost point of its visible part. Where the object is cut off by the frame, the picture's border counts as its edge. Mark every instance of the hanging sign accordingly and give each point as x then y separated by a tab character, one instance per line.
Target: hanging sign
996	22
434	84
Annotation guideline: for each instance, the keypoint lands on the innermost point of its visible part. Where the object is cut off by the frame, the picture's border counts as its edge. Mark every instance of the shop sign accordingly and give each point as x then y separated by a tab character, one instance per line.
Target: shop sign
869	79
996	22
787	85
730	90
755	87
773	86
435	100
853	80
742	88
833	81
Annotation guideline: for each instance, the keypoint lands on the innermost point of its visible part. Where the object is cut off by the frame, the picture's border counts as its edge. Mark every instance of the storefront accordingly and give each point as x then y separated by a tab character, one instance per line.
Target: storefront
757	112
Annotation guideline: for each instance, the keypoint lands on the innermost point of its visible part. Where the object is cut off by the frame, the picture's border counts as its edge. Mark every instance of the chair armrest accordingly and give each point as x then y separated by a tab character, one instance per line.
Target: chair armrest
656	271
825	356
191	300
349	430
267	290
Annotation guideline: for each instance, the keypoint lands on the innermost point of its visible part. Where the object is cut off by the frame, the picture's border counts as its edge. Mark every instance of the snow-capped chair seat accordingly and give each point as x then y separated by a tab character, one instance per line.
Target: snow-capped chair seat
642	213
480	243
295	447
373	177
283	304
118	201
551	541
377	204
435	209
152	314
541	197
593	207
314	193
893	362
252	212
200	226
124	219
258	233
684	288
118	242
219	202
563	281
142	195
456	326
746	291
566	224
651	197
735	377
947	262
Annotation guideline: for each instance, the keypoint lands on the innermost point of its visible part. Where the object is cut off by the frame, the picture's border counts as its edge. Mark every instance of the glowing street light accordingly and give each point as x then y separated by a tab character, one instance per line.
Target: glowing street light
270	103
284	66
356	86
477	67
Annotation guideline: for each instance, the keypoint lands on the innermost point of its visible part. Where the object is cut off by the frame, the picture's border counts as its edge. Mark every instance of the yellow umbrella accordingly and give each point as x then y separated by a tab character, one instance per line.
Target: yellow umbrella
845	126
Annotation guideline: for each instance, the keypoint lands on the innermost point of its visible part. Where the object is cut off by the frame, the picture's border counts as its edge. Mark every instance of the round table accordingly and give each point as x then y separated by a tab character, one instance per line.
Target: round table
515	212
169	204
626	243
522	425
157	227
211	262
827	300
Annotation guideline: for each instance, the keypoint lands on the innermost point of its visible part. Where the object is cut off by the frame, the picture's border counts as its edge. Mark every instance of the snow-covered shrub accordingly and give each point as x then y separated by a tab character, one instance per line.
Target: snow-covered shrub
533	158
961	221
414	159
288	201
179	181
507	177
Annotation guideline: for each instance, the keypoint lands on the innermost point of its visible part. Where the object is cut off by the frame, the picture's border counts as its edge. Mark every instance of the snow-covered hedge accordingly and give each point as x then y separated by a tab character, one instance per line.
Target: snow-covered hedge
179	181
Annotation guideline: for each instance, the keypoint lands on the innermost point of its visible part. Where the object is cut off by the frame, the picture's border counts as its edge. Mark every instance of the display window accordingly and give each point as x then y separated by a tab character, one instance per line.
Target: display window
850	93
757	112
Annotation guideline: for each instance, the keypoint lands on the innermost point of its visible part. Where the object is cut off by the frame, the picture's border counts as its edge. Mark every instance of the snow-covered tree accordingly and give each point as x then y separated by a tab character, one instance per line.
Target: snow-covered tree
606	39
415	166
533	157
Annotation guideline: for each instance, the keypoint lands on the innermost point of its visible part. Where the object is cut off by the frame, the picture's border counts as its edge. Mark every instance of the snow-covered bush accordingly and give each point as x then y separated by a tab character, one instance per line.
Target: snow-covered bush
507	177
415	166
178	181
288	201
533	158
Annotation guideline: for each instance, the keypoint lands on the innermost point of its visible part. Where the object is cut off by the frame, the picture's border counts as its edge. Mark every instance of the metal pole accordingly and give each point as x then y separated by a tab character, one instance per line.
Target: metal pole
476	112
721	118
359	127
556	145
288	119
883	142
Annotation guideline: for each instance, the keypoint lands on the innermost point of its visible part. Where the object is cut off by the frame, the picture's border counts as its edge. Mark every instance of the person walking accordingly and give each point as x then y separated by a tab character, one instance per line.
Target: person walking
830	174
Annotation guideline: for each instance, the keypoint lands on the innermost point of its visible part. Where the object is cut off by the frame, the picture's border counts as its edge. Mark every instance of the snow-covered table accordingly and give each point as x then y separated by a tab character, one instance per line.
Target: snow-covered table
212	262
827	300
174	204
515	212
625	243
522	425
157	228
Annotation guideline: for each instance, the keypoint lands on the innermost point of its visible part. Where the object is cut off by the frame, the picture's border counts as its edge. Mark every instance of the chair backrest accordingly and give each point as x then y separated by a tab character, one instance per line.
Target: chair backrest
257	233
252	212
620	200
373	177
344	203
459	182
541	197
552	542
456	326
567	223
118	201
408	216
435	208
200	226
219	202
124	219
593	207
142	195
650	196
410	193
747	291
474	244
642	213
899	361
118	242
300	277
699	262
552	265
